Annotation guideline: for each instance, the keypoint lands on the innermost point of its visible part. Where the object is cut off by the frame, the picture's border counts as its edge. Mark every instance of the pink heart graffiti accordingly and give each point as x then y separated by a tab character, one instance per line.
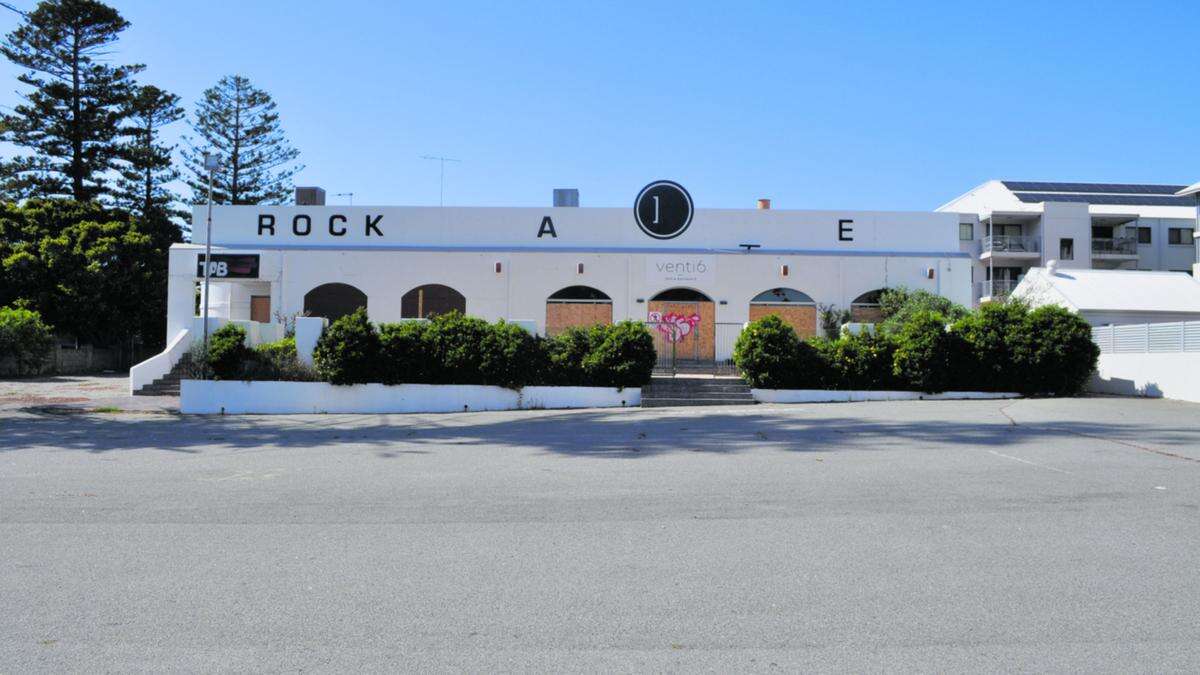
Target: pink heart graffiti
674	326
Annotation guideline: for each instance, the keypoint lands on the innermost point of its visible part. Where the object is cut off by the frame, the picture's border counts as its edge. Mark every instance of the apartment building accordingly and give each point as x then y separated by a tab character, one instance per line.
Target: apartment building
1008	227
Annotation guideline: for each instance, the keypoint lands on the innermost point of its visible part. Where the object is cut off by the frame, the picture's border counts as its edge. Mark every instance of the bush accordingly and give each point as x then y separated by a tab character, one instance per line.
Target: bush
770	356
625	358
404	353
454	342
566	352
510	356
926	353
348	352
1054	353
25	339
278	361
899	305
991	333
863	362
227	352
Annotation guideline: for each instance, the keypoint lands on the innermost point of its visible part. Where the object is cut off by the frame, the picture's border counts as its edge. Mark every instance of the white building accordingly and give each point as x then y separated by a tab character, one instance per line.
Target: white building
706	271
1112	297
1009	227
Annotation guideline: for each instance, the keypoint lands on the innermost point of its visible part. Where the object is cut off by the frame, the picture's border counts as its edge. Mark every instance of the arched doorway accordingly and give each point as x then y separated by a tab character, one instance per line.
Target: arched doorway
577	306
683	319
796	309
333	301
425	301
865	308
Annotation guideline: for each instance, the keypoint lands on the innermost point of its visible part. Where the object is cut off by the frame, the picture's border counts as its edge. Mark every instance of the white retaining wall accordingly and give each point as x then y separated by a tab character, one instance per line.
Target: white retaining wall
1167	375
836	396
236	397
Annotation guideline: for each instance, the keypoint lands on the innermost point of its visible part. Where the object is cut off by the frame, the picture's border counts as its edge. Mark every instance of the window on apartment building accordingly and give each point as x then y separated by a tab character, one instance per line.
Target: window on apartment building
1179	236
966	231
1144	235
1066	249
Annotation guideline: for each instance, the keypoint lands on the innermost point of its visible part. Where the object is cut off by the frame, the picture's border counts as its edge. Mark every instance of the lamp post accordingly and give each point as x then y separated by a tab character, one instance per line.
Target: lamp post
211	163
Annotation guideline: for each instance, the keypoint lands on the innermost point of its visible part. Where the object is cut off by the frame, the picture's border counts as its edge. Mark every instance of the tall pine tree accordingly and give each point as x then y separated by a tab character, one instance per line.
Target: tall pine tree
73	111
240	124
142	188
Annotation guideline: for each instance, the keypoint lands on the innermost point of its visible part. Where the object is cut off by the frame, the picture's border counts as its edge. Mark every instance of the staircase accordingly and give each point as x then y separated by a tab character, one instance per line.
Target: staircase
679	391
167	385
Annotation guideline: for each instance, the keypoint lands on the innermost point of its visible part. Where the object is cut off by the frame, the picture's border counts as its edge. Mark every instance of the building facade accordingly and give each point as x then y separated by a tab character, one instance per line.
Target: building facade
696	275
1008	227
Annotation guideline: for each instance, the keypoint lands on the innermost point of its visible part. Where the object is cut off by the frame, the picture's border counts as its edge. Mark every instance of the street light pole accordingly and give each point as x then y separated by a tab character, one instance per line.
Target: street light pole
210	164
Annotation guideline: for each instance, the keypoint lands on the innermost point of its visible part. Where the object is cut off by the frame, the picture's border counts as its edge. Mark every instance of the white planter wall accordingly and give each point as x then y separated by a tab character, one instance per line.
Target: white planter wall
236	397
835	396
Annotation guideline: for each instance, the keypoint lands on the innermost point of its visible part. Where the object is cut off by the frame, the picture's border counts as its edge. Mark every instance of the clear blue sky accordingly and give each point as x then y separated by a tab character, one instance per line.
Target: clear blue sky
815	105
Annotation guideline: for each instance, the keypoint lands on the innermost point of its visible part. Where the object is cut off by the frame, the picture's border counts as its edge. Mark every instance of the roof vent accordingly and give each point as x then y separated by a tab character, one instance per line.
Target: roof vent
764	205
1051	267
566	197
310	196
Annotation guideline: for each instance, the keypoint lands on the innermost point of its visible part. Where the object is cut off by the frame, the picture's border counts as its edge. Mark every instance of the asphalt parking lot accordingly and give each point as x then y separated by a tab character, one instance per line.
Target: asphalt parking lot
914	536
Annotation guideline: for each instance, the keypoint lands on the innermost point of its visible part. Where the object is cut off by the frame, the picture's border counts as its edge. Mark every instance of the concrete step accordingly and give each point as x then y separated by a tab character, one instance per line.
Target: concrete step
671	402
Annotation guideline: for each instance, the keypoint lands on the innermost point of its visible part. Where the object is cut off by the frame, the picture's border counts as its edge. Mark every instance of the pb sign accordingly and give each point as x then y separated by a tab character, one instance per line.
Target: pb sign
229	266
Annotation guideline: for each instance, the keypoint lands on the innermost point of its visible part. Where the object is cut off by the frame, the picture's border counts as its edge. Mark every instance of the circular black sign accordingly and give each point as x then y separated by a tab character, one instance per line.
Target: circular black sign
663	209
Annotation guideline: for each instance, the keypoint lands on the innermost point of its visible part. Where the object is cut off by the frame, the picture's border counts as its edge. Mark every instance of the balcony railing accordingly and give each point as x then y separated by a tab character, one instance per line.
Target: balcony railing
997	289
1117	246
1010	244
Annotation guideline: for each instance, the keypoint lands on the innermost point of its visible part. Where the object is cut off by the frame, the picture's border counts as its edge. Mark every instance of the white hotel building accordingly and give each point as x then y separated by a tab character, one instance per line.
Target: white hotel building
1010	226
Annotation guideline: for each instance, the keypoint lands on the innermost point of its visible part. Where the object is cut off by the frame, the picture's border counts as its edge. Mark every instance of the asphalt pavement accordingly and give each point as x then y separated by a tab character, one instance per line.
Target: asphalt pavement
1030	535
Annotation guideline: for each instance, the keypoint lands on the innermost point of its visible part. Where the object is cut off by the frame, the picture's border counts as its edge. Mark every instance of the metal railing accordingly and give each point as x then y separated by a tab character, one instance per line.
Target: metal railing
681	351
1001	243
1135	338
996	289
1115	246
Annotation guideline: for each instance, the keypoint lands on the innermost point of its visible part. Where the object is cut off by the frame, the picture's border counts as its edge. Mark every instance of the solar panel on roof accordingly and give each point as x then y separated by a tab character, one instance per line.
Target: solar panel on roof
1124	200
1092	188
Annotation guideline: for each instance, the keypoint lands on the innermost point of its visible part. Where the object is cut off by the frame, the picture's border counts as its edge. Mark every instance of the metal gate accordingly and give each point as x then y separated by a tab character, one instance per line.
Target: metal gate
678	354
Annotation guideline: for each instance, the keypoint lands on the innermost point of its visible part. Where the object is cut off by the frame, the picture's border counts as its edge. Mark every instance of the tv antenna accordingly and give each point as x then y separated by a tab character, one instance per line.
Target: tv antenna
441	175
346	194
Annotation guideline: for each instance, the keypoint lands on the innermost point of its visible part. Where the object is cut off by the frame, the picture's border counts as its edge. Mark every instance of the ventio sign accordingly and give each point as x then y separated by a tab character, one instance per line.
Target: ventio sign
681	269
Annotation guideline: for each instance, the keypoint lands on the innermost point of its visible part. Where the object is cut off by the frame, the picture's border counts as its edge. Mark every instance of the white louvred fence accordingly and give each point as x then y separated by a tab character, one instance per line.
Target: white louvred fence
1182	336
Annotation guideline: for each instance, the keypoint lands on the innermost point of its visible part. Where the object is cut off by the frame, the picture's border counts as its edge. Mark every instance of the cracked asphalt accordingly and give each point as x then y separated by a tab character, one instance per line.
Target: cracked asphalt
1029	535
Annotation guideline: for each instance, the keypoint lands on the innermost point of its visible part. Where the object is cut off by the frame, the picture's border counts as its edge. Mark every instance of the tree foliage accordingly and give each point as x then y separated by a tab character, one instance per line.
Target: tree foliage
72	113
142	187
25	340
239	123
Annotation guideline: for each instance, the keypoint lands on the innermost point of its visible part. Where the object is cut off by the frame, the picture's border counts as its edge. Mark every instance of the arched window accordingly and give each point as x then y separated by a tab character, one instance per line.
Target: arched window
865	308
577	306
580	294
681	295
794	307
333	301
423	302
782	295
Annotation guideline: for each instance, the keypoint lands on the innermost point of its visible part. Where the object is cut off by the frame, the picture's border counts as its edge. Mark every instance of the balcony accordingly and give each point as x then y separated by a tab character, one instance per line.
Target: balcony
1008	246
994	291
1121	247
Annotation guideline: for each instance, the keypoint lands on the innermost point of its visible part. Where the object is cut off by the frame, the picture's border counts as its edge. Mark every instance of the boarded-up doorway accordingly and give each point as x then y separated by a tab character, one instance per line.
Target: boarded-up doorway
260	308
686	318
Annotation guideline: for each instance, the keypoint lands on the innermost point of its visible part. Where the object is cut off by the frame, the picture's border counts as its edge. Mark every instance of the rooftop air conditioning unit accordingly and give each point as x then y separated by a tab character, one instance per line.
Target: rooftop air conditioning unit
310	196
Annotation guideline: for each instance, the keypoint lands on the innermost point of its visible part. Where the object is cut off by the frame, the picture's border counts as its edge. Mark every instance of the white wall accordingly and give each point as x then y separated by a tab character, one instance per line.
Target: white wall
1167	375
1066	220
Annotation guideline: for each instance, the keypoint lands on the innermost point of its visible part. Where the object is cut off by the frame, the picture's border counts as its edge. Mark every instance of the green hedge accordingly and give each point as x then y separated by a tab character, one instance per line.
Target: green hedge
227	352
456	349
25	339
1047	351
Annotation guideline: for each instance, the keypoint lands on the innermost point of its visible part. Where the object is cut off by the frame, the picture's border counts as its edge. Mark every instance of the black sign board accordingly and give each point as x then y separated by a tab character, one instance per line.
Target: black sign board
663	209
229	266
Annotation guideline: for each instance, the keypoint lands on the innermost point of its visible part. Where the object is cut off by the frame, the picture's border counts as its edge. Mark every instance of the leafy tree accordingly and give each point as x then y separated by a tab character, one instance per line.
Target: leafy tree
348	351
148	168
25	340
899	305
926	353
71	116
1054	352
239	122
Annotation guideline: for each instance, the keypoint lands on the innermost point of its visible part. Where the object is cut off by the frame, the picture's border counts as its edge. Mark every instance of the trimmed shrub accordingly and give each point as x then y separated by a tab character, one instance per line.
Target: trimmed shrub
278	361
899	305
404	352
770	356
863	362
926	353
455	344
991	334
25	339
227	352
1054	353
566	352
511	356
348	351
625	358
